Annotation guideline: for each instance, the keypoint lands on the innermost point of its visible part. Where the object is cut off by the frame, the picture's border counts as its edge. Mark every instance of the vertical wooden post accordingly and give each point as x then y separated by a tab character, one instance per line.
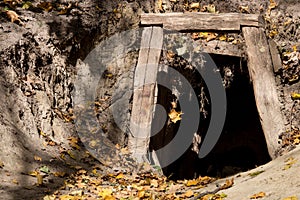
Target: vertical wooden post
144	89
264	86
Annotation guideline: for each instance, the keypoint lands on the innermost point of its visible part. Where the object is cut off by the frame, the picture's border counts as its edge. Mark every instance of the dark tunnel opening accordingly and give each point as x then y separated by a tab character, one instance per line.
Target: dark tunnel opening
242	144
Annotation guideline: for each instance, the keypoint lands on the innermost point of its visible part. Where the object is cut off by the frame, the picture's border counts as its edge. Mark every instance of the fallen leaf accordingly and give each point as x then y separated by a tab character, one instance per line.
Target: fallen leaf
222	37
258	195
33	173
272	4
59	174
228	184
71	154
1	164
13	16
244	9
48	197
74	142
45	169
37	158
291	198
192	182
26	5
174	115
289	163
195	5
255	173
47	6
154	183
295	96
67	197
296	141
141	193
188	193
105	192
39	179
159	5
174	188
121	175
208	36
15	182
77	193
211	8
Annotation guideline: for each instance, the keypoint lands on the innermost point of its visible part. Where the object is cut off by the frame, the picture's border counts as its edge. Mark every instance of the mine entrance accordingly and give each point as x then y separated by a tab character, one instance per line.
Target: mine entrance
242	144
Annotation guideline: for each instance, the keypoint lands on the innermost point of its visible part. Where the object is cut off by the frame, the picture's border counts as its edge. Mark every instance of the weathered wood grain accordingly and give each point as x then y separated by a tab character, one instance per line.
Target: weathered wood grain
201	21
144	89
277	65
264	86
222	48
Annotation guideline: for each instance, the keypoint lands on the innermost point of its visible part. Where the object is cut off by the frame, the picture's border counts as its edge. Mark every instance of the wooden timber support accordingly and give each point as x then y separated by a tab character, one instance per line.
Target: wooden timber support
261	61
264	86
201	21
144	92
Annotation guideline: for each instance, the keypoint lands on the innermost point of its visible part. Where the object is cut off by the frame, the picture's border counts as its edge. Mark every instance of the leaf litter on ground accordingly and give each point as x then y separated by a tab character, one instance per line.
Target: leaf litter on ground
96	184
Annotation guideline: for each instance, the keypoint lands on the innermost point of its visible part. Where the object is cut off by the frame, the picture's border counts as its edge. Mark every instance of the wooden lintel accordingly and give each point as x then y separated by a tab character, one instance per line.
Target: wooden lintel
201	21
264	86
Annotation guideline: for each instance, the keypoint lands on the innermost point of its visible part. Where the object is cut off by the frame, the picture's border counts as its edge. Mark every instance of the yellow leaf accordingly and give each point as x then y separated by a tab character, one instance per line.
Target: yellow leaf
272	5
154	183
208	36
258	195
42	133
48	197
295	96
174	115
222	38
94	171
15	181
39	179
192	182
195	5
109	198
291	198
71	154
105	192
244	9
67	197
211	8
227	184
59	174
37	158
294	48
141	193
121	175
273	33
125	150
12	15
159	5
189	194
1	164
33	173
296	141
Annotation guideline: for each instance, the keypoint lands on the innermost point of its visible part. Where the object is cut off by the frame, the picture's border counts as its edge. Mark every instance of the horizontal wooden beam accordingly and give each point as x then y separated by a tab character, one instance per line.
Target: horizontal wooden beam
222	48
201	21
